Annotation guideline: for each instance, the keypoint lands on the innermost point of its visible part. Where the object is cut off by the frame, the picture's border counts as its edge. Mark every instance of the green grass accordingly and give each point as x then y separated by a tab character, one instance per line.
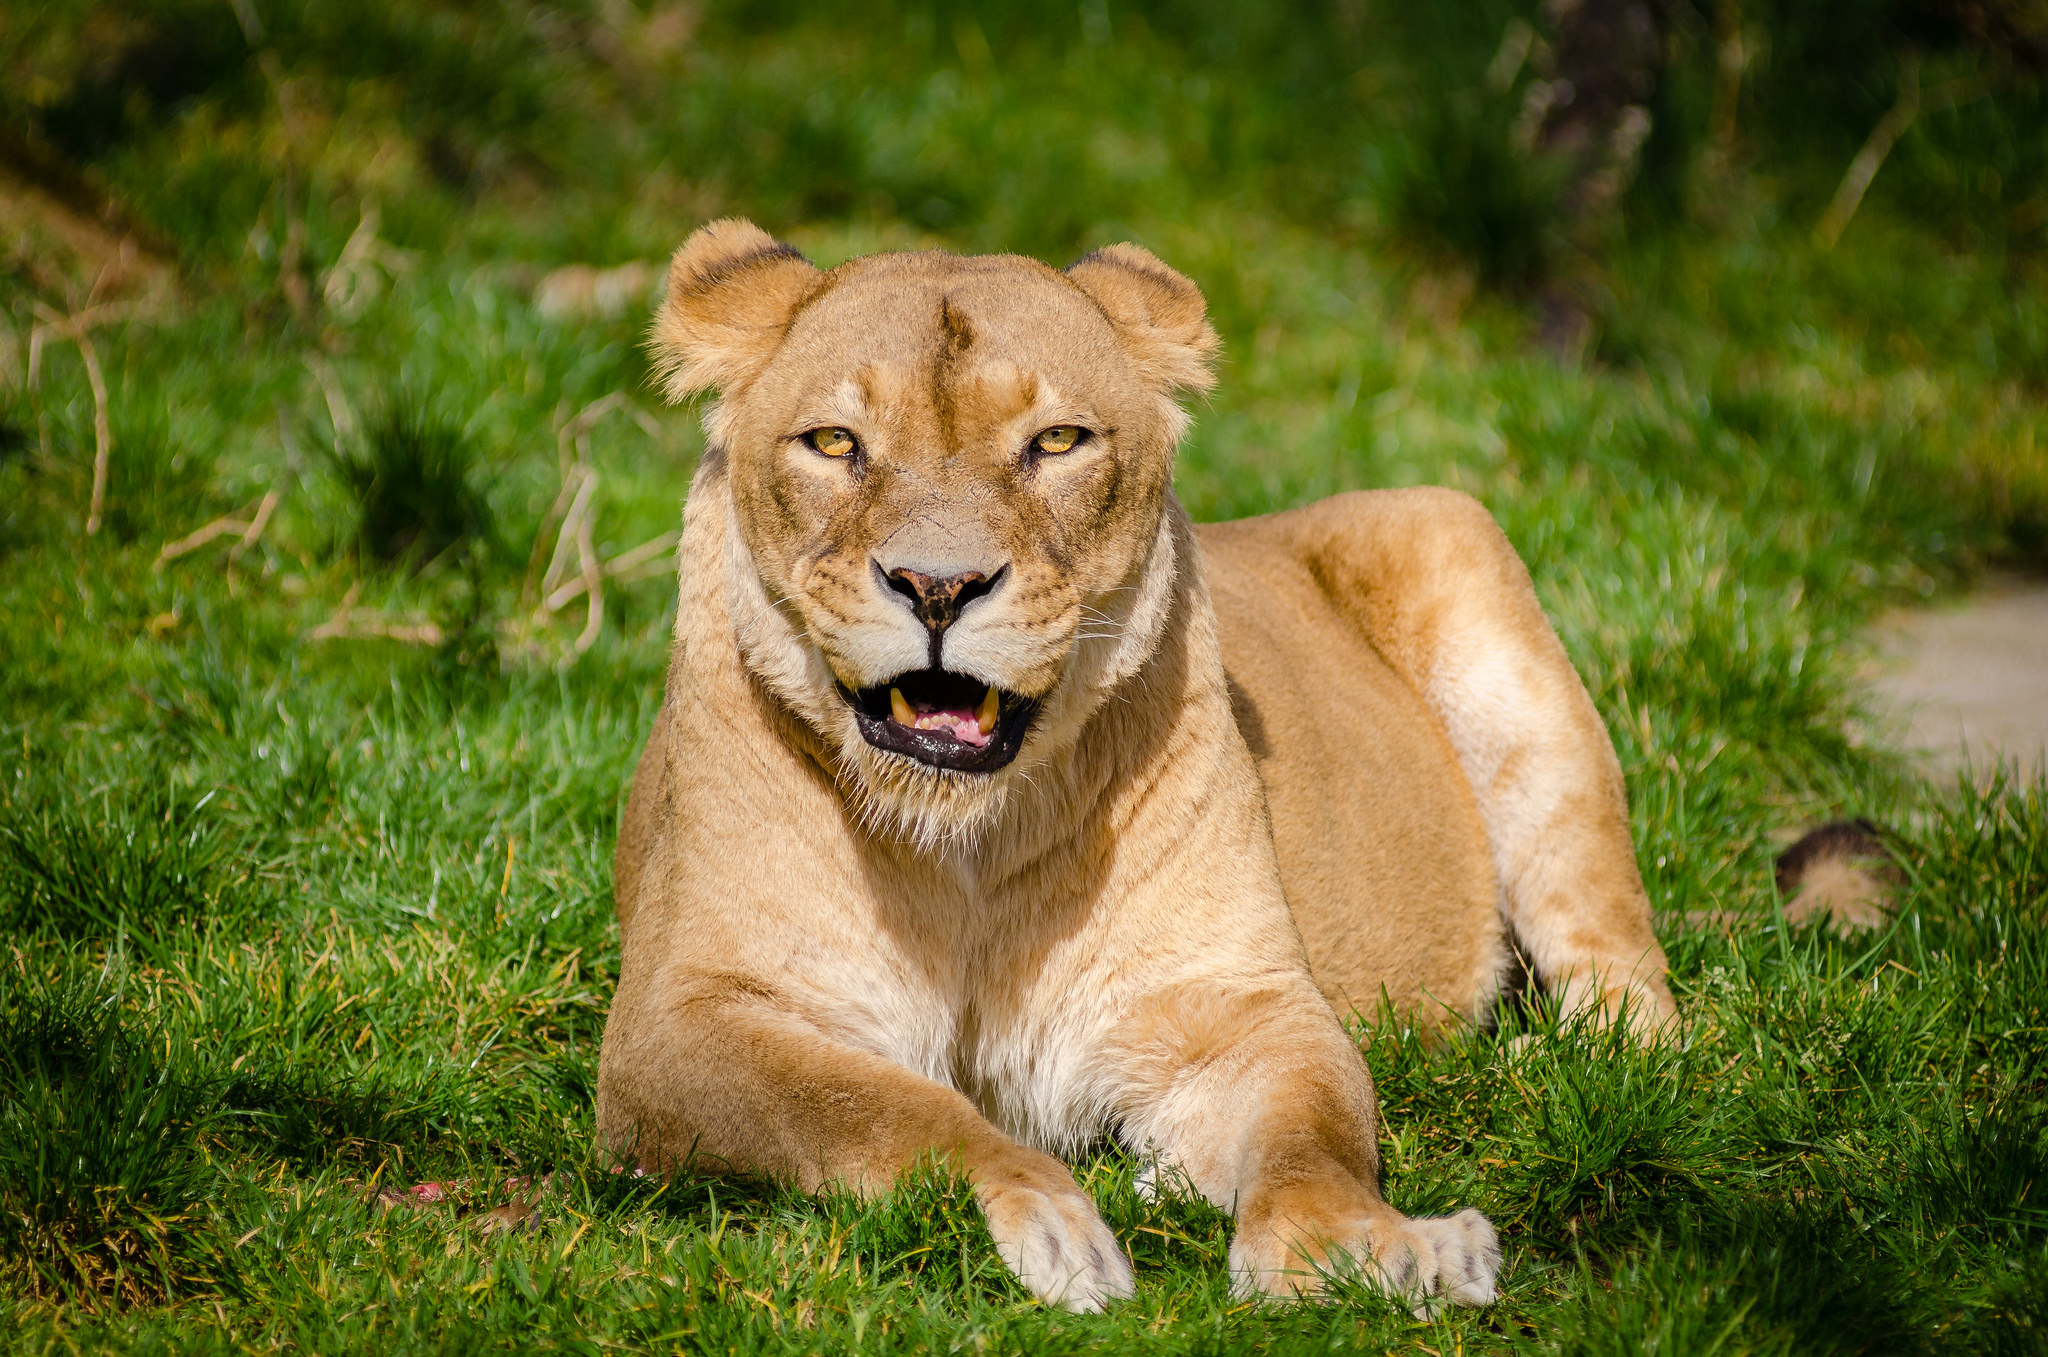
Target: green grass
296	911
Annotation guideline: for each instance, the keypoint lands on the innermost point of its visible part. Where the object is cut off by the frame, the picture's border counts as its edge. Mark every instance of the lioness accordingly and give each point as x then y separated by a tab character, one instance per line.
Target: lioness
994	806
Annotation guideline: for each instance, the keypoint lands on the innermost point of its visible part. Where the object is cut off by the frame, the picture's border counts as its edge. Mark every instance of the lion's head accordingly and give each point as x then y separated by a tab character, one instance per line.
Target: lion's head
948	482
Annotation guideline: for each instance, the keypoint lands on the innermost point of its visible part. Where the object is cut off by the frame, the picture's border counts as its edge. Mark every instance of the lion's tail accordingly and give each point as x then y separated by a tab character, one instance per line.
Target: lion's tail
1844	873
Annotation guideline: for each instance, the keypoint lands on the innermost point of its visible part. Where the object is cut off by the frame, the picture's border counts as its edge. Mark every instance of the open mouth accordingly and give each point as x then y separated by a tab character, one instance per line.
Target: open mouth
943	719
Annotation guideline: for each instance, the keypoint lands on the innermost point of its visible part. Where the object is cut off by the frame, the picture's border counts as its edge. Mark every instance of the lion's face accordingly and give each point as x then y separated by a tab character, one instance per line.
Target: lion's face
948	477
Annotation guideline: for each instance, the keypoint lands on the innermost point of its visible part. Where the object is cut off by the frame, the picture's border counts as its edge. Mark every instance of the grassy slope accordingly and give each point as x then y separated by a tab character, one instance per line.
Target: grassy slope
290	917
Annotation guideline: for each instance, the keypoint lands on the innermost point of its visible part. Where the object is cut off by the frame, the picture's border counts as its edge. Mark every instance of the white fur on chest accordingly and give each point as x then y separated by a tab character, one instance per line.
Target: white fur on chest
1022	1042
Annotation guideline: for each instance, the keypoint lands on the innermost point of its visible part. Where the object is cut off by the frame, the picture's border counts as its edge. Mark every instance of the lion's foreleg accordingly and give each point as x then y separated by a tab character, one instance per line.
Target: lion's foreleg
1265	1106
734	1084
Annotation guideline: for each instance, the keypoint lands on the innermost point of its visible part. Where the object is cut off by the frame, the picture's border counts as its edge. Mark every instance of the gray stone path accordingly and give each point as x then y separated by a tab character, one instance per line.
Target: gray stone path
1969	682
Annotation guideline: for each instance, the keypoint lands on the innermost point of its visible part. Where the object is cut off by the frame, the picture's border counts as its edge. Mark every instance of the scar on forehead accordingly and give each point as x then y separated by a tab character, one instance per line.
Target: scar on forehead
958	330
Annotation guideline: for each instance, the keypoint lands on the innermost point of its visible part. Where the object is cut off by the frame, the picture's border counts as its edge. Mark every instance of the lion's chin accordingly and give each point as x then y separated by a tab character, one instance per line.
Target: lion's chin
901	781
930	809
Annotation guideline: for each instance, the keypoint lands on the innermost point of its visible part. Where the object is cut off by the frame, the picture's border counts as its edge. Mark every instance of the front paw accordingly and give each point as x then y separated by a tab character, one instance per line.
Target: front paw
1642	1003
1295	1249
1048	1232
1467	1257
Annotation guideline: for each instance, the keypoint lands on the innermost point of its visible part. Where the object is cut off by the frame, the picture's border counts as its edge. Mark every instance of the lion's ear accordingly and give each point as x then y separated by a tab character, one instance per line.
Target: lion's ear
1159	315
731	291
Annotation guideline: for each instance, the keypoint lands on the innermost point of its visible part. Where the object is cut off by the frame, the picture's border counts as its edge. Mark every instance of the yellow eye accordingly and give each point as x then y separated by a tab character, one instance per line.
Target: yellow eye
1057	440
831	442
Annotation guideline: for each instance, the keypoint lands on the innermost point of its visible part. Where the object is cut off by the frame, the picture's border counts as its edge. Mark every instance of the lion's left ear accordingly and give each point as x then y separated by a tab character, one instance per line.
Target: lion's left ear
732	288
1159	315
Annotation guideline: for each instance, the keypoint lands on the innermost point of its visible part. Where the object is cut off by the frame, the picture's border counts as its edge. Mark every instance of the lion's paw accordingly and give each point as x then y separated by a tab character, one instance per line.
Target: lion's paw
1465	1253
1054	1241
1424	1262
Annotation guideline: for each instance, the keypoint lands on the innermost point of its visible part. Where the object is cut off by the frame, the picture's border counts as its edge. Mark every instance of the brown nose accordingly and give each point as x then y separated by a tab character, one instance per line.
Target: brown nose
936	601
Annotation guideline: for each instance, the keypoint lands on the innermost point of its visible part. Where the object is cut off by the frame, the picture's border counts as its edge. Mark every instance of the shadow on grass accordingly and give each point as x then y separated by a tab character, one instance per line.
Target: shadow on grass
414	480
101	1171
112	1131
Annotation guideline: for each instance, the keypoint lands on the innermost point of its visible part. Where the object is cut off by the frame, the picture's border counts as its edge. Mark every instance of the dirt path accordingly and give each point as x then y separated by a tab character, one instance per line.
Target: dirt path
1969	683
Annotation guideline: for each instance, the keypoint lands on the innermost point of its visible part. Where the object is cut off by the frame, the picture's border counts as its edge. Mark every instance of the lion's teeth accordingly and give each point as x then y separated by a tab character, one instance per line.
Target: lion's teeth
900	709
986	717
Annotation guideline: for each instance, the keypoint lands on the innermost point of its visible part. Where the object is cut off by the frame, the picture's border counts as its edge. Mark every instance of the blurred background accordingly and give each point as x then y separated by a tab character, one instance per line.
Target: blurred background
1692	190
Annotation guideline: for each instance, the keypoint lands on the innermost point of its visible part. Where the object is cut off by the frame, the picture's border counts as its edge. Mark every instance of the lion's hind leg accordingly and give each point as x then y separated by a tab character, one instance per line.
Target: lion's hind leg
1439	590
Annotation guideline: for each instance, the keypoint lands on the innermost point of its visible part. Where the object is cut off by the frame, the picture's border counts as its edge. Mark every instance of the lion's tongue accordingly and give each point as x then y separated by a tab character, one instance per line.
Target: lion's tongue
967	725
960	724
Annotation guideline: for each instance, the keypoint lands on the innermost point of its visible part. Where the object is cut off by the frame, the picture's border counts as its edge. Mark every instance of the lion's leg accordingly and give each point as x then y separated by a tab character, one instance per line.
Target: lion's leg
1262	1101
1439	590
737	1084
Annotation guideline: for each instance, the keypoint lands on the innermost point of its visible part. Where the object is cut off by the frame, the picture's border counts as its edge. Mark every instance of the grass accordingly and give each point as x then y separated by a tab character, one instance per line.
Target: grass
302	905
101	1164
414	484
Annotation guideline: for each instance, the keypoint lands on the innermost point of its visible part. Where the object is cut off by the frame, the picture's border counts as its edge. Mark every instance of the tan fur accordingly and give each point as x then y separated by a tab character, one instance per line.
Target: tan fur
1849	897
837	959
1461	771
1842	873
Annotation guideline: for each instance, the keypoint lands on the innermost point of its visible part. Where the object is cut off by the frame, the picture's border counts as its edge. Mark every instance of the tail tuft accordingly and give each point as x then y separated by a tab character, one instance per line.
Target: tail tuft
1844	874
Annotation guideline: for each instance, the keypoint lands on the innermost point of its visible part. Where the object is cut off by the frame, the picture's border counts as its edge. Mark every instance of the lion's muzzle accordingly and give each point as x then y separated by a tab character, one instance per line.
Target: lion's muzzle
943	719
938	602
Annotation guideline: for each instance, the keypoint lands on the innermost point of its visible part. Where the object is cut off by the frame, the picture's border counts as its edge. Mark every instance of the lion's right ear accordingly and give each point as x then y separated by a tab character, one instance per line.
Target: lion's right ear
731	291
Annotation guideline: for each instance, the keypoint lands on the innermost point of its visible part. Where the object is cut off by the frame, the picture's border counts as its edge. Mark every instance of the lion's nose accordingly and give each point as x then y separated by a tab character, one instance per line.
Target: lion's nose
937	600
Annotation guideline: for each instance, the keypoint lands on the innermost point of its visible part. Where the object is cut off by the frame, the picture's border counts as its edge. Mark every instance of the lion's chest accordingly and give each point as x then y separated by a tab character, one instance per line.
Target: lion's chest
1015	1023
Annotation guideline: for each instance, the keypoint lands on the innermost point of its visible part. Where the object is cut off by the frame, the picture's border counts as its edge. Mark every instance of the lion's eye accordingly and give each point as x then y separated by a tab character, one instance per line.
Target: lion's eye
1061	438
831	442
